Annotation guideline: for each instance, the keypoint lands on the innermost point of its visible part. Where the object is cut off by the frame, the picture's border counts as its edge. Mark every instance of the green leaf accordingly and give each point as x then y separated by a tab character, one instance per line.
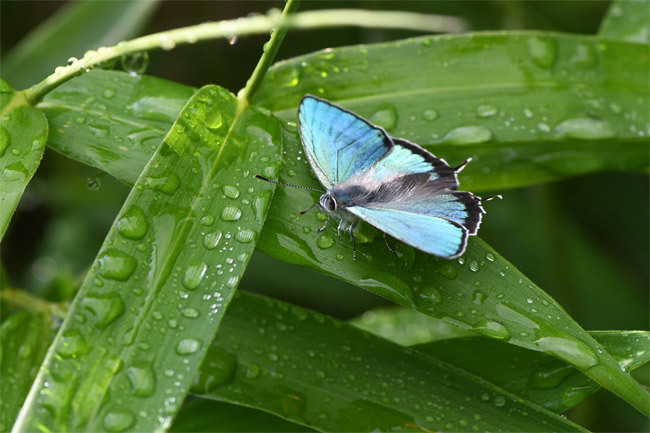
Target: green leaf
154	297
529	107
317	371
23	132
627	20
24	337
202	415
112	120
75	28
534	376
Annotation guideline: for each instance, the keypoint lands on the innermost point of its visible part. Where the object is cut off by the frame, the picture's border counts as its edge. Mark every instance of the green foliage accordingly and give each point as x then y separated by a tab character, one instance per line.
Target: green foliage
476	345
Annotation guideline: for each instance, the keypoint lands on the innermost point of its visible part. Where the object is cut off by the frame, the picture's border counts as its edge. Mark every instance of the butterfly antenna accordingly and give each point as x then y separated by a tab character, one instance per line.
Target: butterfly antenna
288	184
305	211
462	166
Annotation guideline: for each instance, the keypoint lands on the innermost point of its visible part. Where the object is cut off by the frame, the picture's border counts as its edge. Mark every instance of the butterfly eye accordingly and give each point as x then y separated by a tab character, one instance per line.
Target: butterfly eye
328	203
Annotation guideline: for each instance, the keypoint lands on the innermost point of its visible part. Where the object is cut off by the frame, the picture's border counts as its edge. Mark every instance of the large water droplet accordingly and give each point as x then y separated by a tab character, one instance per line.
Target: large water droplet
118	420
217	369
165	184
428	297
468	135
585	55
142	378
188	346
492	328
230	213
231	191
72	344
325	241
543	50
193	275
386	117
571	350
586	128
133	223
214	119
246	235
288	76
15	171
135	63
116	265
430	115
447	271
106	307
486	110
479	297
211	240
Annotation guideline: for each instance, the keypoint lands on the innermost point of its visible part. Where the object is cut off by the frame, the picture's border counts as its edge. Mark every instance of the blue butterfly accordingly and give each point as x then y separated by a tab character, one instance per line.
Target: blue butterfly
393	184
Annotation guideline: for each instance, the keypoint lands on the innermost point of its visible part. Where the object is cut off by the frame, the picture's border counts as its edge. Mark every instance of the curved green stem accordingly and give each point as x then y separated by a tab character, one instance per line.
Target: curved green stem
270	50
243	27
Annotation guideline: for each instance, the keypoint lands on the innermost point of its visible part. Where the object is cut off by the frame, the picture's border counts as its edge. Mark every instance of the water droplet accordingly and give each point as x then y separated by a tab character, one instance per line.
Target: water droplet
430	115
586	128
325	241
133	223
142	378
447	271
231	191
468	135
190	313
288	76
106	307
109	93
386	117
571	350
499	401
252	371
214	119
543	50
135	63
207	220
549	376
429	297
72	344
165	184
479	297
473	266
486	110
585	55
211	240
230	213
15	171
246	235
118	420
187	346
166	43
492	328
193	275
490	257
116	265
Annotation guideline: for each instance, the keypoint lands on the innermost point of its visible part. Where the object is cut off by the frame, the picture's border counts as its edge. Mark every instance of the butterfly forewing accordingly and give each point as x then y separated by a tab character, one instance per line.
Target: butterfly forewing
338	143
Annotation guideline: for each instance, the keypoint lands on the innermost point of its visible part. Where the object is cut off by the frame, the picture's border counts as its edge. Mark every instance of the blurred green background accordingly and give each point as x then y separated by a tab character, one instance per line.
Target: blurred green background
583	240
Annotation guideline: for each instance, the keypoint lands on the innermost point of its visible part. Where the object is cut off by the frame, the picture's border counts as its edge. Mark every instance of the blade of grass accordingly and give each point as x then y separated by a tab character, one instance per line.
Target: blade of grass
72	30
154	297
23	133
627	20
322	373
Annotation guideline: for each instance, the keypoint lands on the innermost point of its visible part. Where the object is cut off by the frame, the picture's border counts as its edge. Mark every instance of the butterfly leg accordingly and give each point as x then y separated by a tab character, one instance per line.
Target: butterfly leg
354	243
388	246
325	225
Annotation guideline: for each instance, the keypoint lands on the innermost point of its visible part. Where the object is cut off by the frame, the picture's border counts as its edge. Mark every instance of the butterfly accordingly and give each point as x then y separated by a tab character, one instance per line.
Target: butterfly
390	183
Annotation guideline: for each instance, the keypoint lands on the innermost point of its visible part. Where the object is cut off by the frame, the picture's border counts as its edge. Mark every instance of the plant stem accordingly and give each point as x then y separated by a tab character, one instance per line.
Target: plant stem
270	50
243	27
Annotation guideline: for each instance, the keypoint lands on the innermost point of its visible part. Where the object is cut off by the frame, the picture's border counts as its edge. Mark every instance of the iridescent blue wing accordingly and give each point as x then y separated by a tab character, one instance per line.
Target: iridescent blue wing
435	221
338	144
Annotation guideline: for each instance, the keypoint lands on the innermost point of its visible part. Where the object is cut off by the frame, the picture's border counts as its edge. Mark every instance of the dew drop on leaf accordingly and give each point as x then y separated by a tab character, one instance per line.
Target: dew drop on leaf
325	241
142	378
193	275
187	346
230	213
133	223
116	264
492	328
118	420
386	117
106	307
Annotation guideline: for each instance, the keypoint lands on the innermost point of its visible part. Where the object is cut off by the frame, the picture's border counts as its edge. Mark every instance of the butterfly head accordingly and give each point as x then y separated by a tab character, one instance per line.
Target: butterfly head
328	203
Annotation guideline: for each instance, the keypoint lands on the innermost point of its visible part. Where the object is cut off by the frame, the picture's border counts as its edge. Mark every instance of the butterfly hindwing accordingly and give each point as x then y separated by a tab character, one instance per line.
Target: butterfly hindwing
338	144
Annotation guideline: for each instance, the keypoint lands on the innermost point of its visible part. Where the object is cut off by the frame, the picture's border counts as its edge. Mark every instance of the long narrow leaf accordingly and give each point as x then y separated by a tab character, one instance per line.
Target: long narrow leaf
23	133
154	297
319	372
528	107
627	20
